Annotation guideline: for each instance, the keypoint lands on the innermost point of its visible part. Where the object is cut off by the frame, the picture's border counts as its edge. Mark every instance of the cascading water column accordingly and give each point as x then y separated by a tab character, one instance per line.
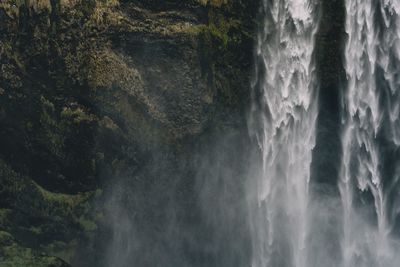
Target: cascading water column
371	133
283	121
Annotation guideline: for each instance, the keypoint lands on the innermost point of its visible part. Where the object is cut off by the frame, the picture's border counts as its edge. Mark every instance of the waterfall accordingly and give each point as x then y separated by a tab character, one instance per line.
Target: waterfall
283	121
371	133
198	213
290	226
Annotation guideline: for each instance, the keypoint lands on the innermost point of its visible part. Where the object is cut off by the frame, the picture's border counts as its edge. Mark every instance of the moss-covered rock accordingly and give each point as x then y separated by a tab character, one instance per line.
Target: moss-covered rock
90	91
13	255
48	221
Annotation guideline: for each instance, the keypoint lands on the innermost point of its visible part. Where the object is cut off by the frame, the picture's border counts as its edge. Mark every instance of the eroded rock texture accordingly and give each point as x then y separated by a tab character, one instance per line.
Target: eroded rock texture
97	92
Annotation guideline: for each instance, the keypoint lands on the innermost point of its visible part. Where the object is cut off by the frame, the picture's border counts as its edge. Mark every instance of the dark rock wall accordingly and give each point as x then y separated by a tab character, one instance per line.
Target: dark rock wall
329	54
101	95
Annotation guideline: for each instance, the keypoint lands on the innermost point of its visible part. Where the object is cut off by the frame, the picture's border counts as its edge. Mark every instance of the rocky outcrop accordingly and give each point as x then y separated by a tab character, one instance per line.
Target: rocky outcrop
90	90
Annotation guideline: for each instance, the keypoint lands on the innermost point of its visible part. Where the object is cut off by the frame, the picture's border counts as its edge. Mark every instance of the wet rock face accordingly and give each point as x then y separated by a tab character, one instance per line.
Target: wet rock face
92	89
78	69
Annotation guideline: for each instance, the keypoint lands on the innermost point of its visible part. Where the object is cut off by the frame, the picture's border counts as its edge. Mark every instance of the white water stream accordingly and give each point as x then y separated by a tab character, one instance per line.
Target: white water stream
365	213
283	121
371	127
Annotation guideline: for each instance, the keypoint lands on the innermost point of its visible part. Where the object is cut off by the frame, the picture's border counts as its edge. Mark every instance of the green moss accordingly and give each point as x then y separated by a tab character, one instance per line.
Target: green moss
213	3
77	115
57	204
49	128
64	209
109	2
222	32
41	201
87	225
62	250
13	255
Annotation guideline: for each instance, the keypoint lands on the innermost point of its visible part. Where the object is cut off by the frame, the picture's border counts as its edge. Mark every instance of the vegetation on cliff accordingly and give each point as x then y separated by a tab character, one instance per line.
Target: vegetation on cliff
89	90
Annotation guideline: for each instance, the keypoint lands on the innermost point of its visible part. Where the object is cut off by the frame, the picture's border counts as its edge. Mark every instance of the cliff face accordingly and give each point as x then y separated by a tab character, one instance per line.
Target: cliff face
92	91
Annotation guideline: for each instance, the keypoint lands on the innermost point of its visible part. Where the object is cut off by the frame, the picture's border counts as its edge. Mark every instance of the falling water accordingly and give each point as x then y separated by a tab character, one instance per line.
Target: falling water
371	133
291	224
283	121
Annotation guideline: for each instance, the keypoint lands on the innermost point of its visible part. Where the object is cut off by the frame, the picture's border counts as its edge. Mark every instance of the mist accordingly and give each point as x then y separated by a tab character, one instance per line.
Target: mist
307	175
